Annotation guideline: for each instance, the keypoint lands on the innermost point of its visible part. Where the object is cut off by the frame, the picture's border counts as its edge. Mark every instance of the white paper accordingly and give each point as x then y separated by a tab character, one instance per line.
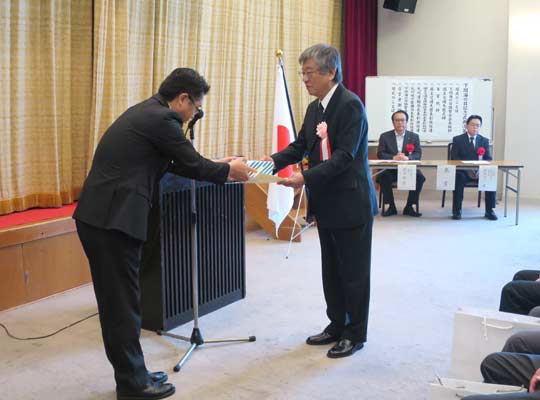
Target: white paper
264	172
395	161
380	161
475	162
487	178
446	177
406	177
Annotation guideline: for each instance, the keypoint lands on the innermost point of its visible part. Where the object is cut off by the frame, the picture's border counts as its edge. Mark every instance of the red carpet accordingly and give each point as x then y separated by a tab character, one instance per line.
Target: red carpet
35	215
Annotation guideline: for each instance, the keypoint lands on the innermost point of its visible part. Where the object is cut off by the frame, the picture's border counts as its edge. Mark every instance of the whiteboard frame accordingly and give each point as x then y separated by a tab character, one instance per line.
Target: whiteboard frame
379	123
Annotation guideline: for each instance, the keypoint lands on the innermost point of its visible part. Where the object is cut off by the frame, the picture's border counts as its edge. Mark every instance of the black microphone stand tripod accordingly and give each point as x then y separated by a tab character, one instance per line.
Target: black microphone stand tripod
196	338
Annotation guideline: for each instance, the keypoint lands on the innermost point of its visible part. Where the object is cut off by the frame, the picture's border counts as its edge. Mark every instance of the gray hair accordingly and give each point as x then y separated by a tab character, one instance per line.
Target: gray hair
326	57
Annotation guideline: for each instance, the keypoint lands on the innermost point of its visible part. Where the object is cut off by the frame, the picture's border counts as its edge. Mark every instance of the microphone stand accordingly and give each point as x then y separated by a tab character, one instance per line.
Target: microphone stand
196	338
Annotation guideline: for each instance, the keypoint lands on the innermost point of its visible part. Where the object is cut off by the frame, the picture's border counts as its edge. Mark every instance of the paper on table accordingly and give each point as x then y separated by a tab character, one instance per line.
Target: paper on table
446	177
406	178
487	178
394	161
475	162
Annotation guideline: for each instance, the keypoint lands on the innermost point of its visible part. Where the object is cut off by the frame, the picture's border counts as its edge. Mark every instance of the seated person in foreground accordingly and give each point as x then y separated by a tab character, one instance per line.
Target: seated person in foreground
522	294
400	145
518	364
471	146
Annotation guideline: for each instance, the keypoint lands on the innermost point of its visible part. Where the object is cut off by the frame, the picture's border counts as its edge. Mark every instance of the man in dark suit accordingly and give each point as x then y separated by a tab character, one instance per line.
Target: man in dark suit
112	215
466	147
393	146
518	364
341	196
521	295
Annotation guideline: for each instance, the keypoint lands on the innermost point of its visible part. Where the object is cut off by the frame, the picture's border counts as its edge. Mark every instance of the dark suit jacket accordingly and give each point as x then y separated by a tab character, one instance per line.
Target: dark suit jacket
341	193
462	149
130	158
388	146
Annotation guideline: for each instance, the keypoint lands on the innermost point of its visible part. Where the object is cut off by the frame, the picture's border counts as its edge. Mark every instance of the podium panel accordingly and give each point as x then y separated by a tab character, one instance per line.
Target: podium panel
165	276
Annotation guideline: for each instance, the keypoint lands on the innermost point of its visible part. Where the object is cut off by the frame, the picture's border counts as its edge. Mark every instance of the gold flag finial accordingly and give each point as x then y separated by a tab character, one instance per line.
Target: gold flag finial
279	53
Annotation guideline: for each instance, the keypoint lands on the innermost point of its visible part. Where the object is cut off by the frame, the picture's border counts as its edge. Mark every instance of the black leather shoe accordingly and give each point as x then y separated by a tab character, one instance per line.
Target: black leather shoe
151	391
158	377
456	215
344	348
410	212
321	338
491	215
390	211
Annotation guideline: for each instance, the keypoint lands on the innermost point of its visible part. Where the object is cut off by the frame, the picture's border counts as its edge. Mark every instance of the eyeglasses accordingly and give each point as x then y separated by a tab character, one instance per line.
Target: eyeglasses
309	74
197	107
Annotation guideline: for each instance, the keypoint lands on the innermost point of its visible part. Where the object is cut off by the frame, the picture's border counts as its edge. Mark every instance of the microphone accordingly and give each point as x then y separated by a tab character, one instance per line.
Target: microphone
197	116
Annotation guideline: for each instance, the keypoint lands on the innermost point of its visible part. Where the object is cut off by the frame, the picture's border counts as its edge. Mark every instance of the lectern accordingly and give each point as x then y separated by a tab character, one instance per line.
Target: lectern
165	275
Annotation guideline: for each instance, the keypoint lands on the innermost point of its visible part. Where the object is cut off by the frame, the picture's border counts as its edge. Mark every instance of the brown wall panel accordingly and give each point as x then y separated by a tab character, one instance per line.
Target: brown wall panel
12	287
53	265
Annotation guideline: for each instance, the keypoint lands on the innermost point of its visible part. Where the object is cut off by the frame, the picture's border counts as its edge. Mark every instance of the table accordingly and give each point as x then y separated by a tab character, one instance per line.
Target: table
509	168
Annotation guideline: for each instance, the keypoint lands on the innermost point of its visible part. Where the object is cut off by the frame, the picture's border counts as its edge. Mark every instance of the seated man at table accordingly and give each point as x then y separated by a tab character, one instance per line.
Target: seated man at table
399	144
469	146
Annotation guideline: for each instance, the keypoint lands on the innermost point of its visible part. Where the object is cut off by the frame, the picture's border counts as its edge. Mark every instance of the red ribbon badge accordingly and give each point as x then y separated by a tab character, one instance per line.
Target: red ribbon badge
409	148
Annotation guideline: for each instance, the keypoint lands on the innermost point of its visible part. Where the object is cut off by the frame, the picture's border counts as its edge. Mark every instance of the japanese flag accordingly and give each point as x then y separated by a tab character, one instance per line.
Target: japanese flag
280	198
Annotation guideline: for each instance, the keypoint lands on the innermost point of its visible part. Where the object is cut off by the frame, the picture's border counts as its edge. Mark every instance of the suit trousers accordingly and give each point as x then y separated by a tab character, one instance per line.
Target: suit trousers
516	363
522	294
386	178
463	178
346	265
114	259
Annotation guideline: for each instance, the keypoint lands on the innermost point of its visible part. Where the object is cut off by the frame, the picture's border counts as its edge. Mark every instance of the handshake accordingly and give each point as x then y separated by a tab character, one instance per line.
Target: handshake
239	171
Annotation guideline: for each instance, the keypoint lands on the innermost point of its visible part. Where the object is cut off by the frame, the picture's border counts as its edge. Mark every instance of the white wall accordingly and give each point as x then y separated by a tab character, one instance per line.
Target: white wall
523	92
449	38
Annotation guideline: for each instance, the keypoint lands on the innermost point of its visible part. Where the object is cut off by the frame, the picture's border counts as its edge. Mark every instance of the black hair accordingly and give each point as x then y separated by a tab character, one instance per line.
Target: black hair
183	80
402	112
474	117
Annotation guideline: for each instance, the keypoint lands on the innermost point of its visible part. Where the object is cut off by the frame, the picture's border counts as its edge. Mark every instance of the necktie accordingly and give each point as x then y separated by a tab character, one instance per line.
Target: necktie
472	142
320	113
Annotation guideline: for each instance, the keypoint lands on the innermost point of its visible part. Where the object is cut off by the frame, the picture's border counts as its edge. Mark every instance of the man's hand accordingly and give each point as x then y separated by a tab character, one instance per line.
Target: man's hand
295	181
534	385
268	158
225	159
239	171
400	157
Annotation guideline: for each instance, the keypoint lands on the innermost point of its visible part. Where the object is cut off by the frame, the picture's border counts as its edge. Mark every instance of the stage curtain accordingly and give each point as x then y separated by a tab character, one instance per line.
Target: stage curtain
45	73
360	53
75	66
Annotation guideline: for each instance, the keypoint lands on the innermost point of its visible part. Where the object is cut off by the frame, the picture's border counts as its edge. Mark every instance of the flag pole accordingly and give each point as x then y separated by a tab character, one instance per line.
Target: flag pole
279	55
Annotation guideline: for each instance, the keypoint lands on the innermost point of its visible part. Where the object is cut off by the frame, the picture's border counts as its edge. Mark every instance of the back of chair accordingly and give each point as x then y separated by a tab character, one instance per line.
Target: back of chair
449	151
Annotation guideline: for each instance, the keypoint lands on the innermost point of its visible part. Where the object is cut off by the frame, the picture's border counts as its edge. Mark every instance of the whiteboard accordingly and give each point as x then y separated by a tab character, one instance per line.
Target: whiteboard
438	107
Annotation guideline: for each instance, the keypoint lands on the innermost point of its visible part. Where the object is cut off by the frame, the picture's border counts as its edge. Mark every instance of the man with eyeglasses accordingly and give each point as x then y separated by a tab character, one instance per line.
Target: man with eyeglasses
113	209
468	146
341	197
401	145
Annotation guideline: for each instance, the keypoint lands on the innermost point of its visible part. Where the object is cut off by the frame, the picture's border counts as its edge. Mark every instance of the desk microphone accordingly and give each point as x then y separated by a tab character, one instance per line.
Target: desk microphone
197	116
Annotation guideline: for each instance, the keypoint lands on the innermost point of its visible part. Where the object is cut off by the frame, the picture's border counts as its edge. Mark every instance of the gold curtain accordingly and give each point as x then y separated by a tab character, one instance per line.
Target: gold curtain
43	106
122	61
74	66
